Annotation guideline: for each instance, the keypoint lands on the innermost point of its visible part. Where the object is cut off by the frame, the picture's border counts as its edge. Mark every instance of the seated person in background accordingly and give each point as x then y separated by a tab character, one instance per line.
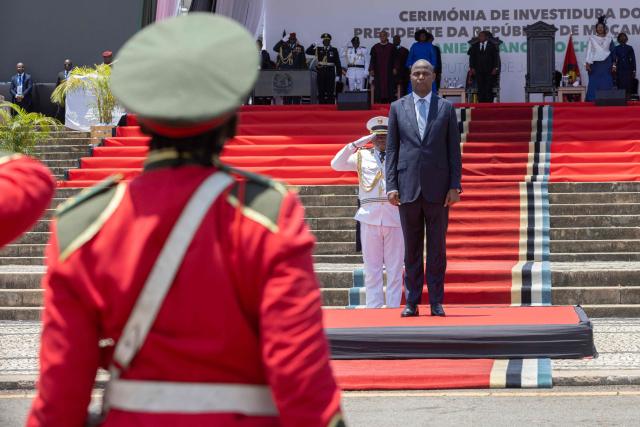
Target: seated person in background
382	239
22	88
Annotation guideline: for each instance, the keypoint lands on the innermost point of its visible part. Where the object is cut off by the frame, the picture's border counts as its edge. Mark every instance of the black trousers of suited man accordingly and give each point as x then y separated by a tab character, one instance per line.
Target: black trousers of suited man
326	79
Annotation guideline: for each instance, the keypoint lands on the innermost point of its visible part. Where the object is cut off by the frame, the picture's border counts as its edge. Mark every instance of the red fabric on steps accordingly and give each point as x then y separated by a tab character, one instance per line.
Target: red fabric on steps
421	374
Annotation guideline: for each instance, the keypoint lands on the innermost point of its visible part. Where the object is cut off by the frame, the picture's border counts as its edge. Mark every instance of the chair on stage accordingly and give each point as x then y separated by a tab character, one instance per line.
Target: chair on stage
472	88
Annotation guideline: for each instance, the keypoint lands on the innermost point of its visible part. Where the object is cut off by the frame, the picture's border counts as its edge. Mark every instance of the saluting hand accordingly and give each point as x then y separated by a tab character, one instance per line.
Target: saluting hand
363	141
452	198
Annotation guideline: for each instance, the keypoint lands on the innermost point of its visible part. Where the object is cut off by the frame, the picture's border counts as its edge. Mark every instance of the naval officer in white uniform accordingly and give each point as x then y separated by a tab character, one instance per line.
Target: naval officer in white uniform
381	233
356	59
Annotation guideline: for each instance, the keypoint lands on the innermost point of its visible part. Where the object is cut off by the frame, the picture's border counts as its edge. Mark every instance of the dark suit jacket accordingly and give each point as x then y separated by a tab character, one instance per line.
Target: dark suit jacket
60	78
27	88
430	166
483	62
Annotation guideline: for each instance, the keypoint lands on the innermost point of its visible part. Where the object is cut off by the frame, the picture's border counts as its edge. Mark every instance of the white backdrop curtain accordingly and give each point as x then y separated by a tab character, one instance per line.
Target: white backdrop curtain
166	9
247	12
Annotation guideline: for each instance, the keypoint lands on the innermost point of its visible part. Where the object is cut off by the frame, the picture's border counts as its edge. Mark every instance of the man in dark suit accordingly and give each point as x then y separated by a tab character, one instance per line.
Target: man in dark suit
423	174
401	71
62	76
483	65
22	88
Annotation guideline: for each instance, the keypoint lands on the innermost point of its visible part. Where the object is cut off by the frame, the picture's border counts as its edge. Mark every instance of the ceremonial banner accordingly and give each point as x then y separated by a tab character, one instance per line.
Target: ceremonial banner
453	24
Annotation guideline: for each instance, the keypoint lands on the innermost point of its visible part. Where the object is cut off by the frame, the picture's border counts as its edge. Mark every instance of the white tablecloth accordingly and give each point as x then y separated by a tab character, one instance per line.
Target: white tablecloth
80	115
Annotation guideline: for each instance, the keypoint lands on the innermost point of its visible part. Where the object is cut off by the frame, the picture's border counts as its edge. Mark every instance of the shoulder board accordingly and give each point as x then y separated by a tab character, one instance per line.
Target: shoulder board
262	198
81	217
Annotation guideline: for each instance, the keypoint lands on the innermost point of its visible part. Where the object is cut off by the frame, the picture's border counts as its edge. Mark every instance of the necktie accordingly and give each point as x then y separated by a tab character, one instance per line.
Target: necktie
382	154
484	45
422	117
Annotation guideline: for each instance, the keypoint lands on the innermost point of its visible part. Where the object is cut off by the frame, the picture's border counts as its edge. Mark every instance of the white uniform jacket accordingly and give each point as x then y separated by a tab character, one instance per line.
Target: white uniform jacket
375	209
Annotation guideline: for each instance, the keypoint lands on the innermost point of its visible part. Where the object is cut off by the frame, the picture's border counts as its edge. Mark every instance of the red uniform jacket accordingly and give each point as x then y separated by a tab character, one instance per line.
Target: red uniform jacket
26	187
244	308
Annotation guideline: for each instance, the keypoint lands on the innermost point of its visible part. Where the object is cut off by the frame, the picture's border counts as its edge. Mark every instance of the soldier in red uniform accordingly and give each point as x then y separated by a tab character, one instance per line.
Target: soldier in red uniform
26	188
193	284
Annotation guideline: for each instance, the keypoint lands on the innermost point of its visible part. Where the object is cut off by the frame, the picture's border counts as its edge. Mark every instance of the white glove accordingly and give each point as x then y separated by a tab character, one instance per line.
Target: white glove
363	141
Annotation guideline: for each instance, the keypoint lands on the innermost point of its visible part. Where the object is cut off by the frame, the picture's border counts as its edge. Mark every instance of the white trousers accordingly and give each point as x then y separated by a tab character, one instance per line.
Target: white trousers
356	78
382	246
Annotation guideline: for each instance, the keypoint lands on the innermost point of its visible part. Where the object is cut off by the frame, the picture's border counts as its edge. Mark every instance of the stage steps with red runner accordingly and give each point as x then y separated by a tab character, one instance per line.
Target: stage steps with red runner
494	177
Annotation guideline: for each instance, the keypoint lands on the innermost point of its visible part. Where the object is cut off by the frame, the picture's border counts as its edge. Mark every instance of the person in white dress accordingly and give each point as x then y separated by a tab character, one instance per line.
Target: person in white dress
599	62
381	233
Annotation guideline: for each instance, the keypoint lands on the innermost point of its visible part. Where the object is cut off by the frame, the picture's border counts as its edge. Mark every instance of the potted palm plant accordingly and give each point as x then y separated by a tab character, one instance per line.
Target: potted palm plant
97	81
21	131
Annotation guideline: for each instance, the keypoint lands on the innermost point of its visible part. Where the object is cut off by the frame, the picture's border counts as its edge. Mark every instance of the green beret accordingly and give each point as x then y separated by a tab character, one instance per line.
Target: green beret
186	73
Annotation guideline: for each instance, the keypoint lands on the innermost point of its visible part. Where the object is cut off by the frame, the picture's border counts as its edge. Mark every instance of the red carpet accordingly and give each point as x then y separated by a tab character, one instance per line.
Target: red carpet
296	145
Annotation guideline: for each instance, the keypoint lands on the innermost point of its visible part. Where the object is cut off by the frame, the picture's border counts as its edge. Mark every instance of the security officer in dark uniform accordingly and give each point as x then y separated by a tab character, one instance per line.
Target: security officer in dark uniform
290	57
327	62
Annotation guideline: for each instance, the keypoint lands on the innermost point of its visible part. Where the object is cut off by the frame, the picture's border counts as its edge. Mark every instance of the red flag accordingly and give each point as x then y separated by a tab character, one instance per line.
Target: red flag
570	67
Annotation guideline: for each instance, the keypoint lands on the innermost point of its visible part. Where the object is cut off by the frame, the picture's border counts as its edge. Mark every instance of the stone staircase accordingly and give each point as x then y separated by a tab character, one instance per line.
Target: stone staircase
595	242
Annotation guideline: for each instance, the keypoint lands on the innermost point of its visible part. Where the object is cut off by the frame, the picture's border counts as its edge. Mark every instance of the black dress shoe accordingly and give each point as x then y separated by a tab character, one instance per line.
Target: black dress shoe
437	310
410	311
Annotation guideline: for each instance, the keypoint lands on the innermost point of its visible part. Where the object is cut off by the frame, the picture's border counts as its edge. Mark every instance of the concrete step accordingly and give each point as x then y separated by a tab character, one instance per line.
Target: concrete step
61	163
593	209
596	295
337	259
27	304
612	310
20	313
42	225
573	246
53	156
21	277
314	190
597	198
330	200
595	233
26	250
344	223
33	237
594	187
11	261
585	221
21	297
329	211
595	256
80	149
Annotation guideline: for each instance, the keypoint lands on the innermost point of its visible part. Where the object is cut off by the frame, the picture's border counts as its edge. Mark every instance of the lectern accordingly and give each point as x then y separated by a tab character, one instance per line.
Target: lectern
541	59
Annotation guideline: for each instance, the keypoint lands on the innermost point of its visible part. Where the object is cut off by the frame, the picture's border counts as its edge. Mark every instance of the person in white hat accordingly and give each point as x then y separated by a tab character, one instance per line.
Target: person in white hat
381	233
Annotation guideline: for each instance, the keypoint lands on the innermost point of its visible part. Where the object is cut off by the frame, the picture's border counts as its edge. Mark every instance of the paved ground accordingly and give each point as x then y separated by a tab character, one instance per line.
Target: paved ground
617	341
594	406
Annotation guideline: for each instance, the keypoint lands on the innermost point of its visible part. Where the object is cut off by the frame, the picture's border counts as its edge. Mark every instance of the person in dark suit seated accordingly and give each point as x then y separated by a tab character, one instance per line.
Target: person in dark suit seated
22	88
62	76
423	174
484	65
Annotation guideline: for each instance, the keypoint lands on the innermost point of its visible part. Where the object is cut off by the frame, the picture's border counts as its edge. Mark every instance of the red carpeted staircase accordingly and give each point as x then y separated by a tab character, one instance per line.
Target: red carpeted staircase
498	241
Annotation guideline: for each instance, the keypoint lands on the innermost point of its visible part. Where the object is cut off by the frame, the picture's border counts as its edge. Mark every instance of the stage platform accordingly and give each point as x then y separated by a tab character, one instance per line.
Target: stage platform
467	332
